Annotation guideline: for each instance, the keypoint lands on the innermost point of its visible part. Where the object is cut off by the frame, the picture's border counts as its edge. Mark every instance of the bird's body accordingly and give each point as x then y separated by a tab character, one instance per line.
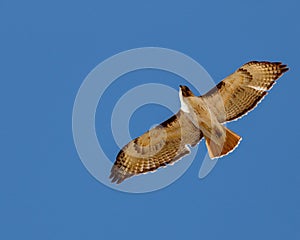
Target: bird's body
199	116
219	139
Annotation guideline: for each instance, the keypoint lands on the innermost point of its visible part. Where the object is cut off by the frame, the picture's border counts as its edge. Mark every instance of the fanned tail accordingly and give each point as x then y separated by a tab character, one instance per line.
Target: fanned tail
216	150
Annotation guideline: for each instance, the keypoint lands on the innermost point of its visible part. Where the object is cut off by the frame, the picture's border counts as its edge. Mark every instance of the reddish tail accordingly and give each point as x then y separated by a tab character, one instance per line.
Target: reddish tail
216	150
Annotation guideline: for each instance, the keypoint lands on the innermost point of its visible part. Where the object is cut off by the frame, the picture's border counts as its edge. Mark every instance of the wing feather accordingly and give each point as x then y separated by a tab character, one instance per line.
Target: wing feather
240	92
158	147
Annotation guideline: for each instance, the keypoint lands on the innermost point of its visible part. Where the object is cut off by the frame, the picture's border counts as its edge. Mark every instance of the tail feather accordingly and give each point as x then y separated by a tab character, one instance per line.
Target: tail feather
216	150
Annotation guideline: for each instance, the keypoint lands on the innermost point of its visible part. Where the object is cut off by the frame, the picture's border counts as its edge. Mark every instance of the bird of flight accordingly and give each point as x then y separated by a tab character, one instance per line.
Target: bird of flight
199	116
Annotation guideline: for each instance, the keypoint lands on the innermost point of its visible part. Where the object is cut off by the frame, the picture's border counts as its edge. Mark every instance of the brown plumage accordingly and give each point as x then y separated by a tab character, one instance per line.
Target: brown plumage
201	116
158	147
245	88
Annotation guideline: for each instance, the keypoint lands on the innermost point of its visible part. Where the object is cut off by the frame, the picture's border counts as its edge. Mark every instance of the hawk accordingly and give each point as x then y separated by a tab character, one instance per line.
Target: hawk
198	117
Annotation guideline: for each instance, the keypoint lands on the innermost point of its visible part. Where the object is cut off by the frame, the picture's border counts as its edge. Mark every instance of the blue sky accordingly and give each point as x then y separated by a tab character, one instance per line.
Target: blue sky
46	51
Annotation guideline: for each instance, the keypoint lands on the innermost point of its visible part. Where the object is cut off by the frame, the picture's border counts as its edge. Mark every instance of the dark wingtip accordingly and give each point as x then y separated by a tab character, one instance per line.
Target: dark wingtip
116	178
117	175
284	68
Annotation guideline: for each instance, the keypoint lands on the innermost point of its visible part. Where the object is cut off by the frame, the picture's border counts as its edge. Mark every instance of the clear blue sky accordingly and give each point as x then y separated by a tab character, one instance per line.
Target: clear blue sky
48	48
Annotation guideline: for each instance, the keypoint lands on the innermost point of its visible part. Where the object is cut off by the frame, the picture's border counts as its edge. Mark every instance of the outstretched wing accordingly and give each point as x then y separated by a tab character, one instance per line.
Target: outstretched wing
162	145
240	92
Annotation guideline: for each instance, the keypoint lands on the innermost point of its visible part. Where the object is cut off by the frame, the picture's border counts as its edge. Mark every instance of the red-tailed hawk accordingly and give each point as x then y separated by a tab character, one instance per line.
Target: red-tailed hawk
199	116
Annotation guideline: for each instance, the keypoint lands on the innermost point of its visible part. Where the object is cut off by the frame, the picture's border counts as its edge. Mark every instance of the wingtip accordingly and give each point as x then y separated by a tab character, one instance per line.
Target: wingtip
117	176
116	179
284	68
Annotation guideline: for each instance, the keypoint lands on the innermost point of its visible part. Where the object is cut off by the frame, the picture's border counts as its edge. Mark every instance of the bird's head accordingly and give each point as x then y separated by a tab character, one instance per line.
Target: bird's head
184	92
